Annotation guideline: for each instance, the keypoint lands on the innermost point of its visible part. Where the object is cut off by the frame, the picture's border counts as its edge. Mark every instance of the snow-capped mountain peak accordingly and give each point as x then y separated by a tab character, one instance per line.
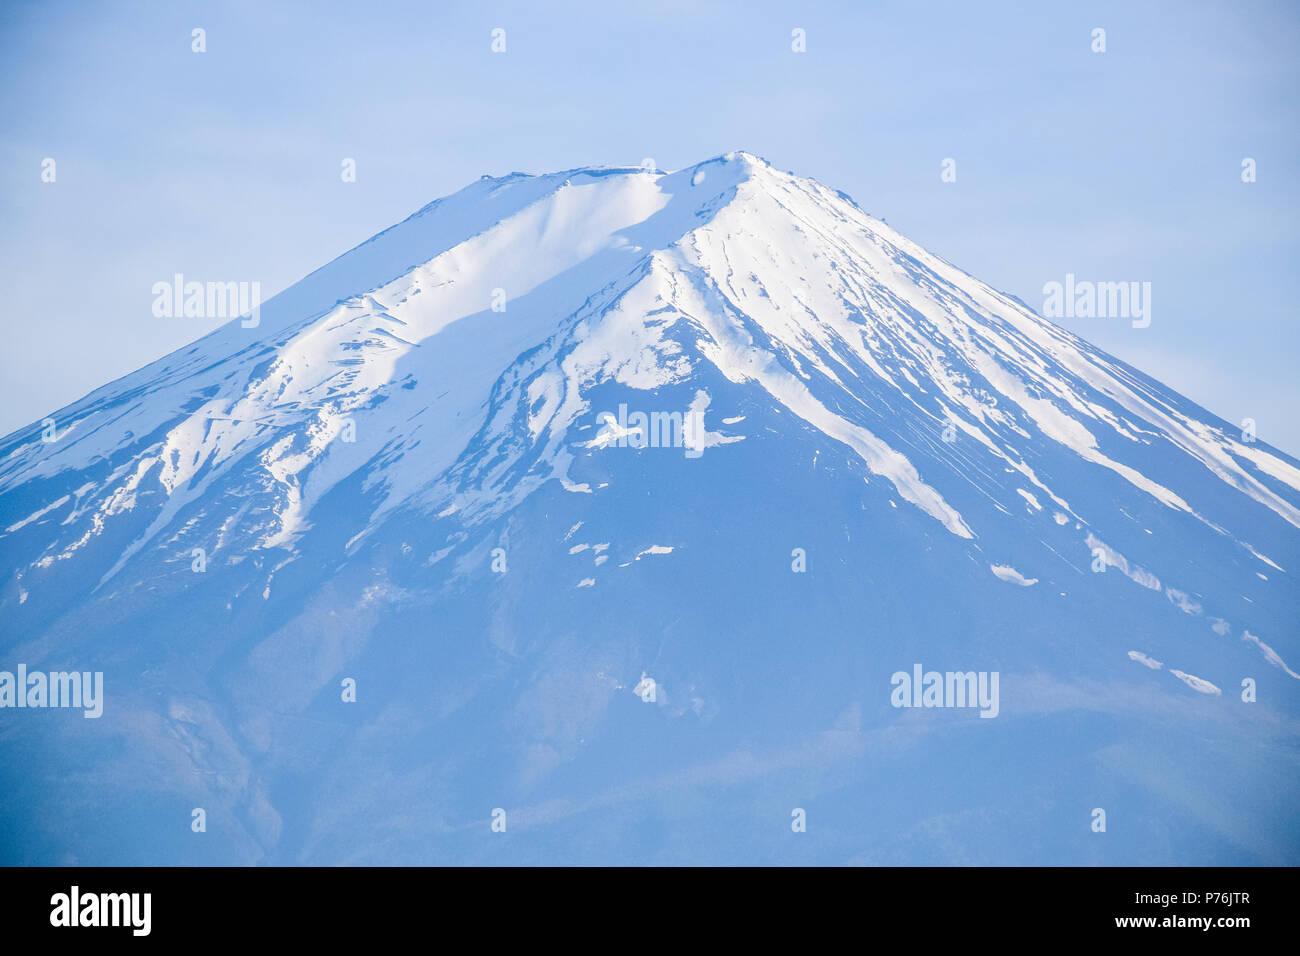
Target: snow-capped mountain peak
708	371
555	284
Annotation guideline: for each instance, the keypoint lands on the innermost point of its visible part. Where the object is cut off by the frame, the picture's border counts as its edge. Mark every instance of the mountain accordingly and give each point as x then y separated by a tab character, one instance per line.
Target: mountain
610	516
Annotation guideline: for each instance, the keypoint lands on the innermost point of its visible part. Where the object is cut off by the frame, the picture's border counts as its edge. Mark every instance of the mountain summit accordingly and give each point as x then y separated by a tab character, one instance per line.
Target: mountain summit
641	506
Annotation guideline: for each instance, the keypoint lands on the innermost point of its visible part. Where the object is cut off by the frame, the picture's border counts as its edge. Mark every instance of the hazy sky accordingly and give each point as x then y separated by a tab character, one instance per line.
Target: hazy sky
225	165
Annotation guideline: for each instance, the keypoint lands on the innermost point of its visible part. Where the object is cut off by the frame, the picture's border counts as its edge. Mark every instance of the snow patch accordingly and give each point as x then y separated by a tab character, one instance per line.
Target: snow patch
1141	658
653	549
1009	574
1033	502
1270	655
1195	683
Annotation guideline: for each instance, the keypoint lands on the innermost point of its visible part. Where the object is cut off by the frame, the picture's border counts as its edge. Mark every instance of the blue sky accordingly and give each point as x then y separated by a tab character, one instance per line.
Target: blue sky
225	165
